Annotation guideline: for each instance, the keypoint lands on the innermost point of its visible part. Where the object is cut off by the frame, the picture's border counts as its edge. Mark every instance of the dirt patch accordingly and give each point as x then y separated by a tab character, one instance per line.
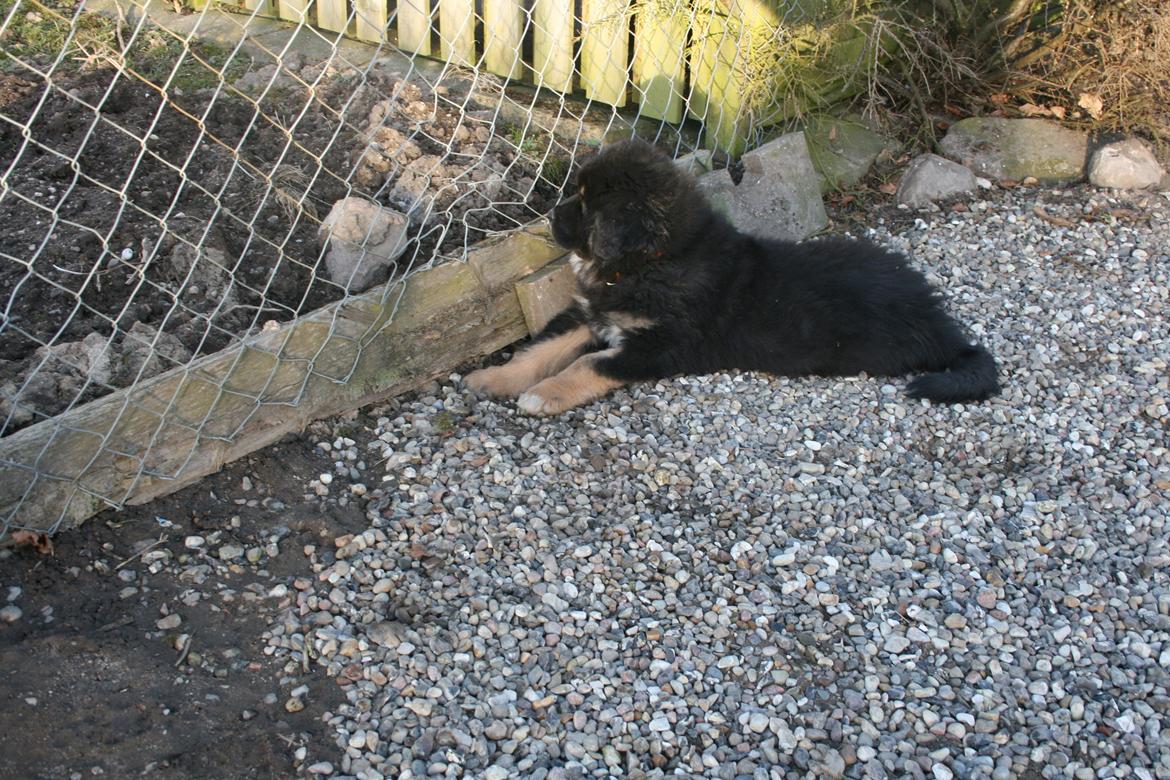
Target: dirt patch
93	686
178	188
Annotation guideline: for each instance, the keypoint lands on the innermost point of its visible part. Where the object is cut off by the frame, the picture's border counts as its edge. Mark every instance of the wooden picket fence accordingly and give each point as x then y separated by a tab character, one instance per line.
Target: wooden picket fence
673	58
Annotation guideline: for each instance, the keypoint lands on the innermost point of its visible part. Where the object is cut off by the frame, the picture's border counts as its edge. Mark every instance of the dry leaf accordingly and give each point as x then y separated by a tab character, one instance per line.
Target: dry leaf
1031	109
38	541
833	133
1091	103
1057	111
1000	98
889	188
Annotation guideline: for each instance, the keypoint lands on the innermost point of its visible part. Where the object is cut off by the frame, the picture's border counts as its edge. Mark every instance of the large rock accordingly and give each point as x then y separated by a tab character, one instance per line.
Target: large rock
205	274
144	352
58	377
365	240
843	150
929	178
1014	149
1125	165
778	196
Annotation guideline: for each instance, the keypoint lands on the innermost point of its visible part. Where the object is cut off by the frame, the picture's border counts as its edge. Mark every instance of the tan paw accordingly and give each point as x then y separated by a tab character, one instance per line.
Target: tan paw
497	381
544	400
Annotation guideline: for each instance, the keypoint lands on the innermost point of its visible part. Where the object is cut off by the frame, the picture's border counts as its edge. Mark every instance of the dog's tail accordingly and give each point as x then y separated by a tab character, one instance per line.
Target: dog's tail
971	376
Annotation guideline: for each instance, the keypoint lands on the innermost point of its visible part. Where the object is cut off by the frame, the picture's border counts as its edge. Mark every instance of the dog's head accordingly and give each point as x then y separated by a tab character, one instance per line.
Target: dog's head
621	213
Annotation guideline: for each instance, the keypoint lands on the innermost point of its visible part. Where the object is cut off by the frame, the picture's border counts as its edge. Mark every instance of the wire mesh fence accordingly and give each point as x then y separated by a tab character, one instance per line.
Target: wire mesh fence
176	184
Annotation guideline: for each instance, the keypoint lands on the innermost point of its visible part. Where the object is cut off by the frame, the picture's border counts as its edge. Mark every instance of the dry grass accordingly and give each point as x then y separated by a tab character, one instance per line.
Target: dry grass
1117	52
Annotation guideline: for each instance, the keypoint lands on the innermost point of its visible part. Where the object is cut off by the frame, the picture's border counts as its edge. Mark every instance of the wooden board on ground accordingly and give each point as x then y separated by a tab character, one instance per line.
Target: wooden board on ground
605	32
414	26
457	31
503	33
552	44
143	442
546	293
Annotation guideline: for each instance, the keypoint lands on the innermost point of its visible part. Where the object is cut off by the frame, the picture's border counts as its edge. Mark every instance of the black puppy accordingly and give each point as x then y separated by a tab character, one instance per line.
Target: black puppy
667	286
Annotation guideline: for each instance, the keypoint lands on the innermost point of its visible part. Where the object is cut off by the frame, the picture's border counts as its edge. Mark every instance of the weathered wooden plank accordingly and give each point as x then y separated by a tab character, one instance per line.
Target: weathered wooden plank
503	32
605	36
140	443
552	44
333	15
370	20
293	10
414	26
659	60
546	293
457	31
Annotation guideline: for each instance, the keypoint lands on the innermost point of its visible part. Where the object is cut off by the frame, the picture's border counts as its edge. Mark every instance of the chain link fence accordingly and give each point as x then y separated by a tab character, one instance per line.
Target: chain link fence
177	186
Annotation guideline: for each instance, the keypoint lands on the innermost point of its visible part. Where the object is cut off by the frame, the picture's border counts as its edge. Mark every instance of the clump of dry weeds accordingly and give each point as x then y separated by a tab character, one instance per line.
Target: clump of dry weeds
1105	62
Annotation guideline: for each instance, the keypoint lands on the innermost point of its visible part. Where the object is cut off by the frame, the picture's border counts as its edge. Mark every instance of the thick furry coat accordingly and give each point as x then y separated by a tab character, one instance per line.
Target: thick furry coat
668	286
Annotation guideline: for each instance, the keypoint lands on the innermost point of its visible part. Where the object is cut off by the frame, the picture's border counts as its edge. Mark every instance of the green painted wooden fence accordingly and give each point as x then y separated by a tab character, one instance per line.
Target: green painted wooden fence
669	58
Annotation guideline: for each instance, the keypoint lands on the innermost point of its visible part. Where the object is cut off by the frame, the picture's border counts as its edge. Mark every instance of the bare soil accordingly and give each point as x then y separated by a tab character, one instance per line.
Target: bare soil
193	210
93	687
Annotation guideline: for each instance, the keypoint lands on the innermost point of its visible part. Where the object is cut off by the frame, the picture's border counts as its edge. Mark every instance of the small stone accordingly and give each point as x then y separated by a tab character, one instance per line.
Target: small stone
758	722
834	764
230	552
881	560
931	178
421	707
170	622
955	621
294	705
987	598
320	768
1125	165
896	643
10	613
388	633
739	550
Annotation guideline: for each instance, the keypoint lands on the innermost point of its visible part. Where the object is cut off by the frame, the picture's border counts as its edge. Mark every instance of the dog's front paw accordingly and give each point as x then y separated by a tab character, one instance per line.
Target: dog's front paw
538	401
496	381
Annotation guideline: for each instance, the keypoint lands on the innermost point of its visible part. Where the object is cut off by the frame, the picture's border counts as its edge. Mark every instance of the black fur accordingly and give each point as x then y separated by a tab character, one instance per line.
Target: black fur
716	299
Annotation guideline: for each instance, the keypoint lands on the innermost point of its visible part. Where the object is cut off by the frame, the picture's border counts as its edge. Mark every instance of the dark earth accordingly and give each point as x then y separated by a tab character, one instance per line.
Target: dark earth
91	685
193	211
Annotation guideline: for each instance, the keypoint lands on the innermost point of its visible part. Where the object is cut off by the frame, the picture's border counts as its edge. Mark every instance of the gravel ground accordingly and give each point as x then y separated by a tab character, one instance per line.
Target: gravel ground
742	576
724	576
